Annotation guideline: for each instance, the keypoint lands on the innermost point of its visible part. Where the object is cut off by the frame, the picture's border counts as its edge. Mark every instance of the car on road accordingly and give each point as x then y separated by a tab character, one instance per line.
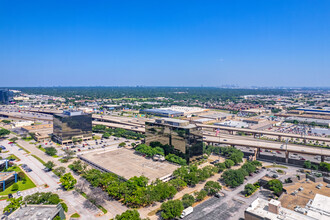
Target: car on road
19	193
278	152
215	161
218	195
302	158
224	139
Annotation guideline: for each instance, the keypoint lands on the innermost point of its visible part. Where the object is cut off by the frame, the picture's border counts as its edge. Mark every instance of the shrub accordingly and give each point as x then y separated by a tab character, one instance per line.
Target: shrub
14	187
187	200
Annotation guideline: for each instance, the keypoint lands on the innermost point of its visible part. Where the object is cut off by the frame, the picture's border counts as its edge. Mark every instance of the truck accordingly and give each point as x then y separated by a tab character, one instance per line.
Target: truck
187	211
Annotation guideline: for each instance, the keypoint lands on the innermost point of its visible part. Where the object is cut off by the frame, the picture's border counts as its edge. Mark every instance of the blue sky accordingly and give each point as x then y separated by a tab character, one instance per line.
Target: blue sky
165	43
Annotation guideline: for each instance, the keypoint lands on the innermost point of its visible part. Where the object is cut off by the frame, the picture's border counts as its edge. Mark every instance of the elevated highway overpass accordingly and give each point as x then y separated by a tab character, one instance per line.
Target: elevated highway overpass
231	130
261	144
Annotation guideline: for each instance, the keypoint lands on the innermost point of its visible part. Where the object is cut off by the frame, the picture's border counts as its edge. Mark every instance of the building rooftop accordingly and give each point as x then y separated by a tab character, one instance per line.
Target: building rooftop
319	207
35	212
260	208
5	175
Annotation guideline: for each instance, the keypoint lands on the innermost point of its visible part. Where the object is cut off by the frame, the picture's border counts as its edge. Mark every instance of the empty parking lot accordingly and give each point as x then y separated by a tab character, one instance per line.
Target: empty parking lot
127	164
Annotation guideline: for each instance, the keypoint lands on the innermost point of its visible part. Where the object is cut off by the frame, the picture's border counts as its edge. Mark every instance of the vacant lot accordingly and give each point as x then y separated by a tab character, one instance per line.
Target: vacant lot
290	201
127	164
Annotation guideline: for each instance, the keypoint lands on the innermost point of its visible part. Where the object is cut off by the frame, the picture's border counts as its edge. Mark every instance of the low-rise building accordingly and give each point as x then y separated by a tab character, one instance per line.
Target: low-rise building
45	212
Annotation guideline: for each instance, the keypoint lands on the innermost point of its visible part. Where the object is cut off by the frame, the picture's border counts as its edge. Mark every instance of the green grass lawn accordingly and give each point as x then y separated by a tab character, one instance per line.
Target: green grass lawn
75	215
21	186
12	156
38	158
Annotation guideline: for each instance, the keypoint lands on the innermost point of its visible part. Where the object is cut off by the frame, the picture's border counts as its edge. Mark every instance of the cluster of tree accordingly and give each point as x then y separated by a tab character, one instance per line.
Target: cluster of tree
275	185
173	208
158	148
325	166
129	215
249	189
42	198
202	94
117	132
51	151
176	159
134	192
192	175
235	178
231	153
4	132
36	198
309	165
149	151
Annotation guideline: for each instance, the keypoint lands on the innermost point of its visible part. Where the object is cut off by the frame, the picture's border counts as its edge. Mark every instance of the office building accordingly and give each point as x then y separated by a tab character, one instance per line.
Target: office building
6	96
72	125
185	138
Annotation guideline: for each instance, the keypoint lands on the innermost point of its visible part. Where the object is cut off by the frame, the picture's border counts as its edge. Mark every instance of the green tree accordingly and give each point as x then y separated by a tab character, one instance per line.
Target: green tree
325	166
275	185
14	139
51	151
122	144
229	163
4	132
233	178
187	200
13	204
171	209
129	215
6	121
249	167
212	187
68	181
200	195
64	206
59	171
249	189
50	165
221	166
14	187
78	166
106	135
307	164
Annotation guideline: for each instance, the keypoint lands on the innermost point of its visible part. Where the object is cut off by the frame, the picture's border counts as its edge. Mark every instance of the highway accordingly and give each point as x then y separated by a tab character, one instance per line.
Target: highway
264	132
257	143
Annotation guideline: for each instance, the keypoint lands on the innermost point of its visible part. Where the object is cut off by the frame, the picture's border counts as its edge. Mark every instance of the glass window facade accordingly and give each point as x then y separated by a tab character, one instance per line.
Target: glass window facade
187	141
66	127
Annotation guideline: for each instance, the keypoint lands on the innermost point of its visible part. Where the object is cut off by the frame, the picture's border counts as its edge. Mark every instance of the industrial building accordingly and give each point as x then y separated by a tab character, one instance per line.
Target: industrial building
233	124
6	96
174	111
70	125
185	138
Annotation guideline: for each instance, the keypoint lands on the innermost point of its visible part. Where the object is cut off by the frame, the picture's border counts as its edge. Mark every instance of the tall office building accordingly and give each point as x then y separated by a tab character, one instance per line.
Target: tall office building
70	125
6	96
185	138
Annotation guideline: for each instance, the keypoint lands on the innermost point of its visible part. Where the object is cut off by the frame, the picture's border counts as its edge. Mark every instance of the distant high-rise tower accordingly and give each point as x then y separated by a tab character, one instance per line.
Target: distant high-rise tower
6	96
